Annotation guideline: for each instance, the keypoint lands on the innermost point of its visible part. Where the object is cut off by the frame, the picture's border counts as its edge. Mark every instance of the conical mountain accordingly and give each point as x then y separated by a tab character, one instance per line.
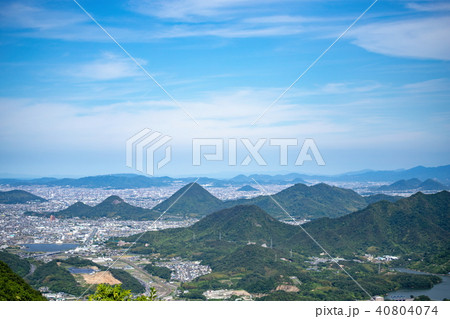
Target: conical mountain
301	201
402	185
432	184
192	200
79	209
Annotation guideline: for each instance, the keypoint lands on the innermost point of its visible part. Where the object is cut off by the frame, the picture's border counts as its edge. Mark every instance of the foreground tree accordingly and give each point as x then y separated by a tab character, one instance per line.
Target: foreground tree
107	292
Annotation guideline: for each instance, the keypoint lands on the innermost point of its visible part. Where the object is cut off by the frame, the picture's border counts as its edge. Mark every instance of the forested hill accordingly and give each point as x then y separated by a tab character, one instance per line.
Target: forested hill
417	225
14	288
19	197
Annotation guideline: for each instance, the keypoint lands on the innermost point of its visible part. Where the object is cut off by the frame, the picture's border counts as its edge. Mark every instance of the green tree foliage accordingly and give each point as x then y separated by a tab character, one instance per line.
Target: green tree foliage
128	281
161	272
107	292
18	265
19	197
14	288
422	298
56	278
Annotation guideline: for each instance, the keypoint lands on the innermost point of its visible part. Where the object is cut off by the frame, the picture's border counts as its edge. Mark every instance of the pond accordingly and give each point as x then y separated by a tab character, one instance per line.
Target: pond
438	292
49	248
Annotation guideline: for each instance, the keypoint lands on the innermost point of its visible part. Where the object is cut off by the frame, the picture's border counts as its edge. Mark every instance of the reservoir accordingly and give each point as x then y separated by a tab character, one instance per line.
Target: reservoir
438	292
49	248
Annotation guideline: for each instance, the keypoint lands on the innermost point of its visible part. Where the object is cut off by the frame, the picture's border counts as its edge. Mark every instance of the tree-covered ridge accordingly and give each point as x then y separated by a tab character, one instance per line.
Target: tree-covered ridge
18	265
161	272
418	225
193	201
14	288
303	201
415	225
19	197
56	276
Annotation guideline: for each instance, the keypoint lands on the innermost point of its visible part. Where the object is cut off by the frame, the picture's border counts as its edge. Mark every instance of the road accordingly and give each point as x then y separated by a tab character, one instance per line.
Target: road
163	288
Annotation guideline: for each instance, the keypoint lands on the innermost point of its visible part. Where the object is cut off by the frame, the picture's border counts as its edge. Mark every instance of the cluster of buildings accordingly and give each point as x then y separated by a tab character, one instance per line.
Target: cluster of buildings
185	270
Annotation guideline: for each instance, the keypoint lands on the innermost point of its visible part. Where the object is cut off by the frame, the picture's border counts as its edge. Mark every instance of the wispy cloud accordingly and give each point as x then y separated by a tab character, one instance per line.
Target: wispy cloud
423	38
198	10
434	6
109	67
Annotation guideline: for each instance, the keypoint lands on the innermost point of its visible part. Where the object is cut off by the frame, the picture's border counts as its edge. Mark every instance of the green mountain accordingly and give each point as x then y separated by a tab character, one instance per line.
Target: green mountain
247	188
56	276
215	235
418	225
379	197
414	184
301	201
236	243
192	200
14	288
19	197
111	207
18	265
433	185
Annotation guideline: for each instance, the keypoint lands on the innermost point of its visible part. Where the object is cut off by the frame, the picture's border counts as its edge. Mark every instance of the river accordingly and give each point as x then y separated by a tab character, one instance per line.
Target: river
438	292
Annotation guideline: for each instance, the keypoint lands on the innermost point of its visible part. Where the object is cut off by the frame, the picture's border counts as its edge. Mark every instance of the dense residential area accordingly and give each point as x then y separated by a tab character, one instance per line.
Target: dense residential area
228	242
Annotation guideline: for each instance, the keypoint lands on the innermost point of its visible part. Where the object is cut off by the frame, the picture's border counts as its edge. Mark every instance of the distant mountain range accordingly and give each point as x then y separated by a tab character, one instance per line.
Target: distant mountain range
418	225
193	201
123	181
19	197
414	184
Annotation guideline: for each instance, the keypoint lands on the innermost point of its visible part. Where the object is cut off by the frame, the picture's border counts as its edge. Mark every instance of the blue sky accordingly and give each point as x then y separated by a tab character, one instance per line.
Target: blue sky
70	97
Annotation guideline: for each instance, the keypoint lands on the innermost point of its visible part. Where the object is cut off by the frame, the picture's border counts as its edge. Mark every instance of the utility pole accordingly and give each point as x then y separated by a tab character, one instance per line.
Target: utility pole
290	253
220	236
271	243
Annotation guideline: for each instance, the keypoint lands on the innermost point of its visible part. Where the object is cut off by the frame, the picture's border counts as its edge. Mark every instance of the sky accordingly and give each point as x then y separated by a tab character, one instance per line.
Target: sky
71	96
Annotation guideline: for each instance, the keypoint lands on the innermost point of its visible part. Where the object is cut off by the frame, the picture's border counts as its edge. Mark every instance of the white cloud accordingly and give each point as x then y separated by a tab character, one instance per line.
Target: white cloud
109	67
423	38
430	7
27	16
194	9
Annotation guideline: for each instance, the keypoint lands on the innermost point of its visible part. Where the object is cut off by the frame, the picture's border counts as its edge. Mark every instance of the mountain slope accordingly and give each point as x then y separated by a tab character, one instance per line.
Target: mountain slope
301	201
18	265
19	197
14	288
192	200
420	223
379	197
401	185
